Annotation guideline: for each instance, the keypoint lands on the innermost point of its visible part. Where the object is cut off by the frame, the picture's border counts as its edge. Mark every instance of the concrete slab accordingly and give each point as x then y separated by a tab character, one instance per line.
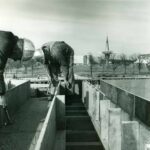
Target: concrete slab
104	119
114	133
126	101
130	135
142	110
22	135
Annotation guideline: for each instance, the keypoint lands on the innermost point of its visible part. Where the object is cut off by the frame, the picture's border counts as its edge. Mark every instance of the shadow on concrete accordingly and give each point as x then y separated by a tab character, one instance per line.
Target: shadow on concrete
27	123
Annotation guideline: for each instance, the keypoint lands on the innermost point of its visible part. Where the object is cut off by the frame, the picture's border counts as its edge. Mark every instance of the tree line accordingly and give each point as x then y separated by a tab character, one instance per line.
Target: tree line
118	60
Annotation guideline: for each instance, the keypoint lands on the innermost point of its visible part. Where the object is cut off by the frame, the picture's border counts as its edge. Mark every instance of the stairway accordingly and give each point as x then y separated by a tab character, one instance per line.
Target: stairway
80	132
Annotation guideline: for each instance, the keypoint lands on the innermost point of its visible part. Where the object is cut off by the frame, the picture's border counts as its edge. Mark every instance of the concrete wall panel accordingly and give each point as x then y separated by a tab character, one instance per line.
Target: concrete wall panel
114	133
130	135
142	110
47	135
126	101
17	96
114	94
104	119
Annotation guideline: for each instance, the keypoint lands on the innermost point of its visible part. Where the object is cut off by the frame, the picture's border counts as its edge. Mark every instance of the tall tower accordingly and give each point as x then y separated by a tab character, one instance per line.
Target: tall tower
107	52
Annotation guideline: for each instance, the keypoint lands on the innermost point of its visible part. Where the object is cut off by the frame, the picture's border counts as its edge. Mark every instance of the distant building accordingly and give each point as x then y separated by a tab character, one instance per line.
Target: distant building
78	59
86	59
145	58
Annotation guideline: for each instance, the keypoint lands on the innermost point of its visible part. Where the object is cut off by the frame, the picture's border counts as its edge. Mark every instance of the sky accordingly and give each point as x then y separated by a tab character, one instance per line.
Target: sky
83	24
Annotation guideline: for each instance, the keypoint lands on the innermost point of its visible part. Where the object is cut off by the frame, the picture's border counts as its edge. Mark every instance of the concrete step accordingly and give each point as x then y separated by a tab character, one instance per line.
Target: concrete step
79	123
75	104
84	146
76	113
75	108
73	100
81	136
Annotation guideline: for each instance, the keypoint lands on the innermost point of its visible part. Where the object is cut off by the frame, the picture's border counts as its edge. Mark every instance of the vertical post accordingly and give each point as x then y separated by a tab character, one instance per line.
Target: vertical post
102	95
97	105
114	134
94	105
104	116
90	101
130	135
84	89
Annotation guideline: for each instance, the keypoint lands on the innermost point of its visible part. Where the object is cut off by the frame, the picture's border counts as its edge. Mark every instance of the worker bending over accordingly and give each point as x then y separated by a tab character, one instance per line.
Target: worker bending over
58	58
13	47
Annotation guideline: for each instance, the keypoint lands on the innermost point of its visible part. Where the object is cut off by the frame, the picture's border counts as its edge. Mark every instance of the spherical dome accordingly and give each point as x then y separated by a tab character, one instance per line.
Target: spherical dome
28	49
38	55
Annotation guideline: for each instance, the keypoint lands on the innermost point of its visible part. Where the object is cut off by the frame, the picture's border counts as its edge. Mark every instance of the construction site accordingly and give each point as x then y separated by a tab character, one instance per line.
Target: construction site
101	115
75	75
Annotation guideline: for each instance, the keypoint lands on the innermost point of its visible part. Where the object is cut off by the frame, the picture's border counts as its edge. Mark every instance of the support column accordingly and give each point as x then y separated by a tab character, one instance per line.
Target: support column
130	135
97	105
104	116
114	132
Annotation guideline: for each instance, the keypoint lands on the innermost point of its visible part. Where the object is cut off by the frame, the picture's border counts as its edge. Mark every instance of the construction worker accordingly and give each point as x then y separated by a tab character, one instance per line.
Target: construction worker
58	57
13	47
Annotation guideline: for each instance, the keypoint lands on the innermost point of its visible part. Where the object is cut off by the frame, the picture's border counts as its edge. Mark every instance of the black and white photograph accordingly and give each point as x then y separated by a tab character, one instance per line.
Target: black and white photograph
74	74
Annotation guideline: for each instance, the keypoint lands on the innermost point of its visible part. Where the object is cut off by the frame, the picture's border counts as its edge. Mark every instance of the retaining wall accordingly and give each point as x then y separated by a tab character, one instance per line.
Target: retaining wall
54	122
16	96
134	105
114	116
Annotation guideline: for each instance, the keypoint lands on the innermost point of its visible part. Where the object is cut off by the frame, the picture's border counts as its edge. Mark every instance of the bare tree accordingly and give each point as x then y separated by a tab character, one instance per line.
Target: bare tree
102	62
33	62
133	58
125	62
140	63
148	65
114	62
123	59
92	62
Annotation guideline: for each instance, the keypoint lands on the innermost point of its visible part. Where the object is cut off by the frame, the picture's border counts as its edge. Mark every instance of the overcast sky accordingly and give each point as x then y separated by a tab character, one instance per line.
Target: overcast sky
84	24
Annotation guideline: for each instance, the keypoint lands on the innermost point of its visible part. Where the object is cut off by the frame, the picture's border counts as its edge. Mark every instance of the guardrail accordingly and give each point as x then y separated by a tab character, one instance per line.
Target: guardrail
115	118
